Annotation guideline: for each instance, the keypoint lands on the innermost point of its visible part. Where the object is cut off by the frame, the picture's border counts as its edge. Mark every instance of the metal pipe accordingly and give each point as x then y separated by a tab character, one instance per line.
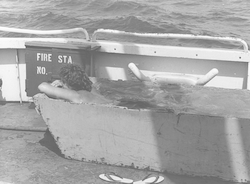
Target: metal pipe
45	32
170	35
18	76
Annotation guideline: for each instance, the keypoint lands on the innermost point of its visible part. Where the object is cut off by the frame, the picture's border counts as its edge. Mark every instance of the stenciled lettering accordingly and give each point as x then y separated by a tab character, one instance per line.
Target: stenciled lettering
65	59
44	57
41	70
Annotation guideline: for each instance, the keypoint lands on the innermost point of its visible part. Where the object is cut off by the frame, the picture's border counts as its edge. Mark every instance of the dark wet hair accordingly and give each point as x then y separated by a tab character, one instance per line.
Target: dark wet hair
75	77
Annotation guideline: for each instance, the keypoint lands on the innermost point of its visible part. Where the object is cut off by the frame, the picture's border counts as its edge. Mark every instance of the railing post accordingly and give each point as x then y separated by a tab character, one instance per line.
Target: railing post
248	75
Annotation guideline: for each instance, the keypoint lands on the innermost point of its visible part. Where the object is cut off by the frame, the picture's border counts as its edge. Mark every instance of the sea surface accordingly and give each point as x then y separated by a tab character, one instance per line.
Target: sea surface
200	17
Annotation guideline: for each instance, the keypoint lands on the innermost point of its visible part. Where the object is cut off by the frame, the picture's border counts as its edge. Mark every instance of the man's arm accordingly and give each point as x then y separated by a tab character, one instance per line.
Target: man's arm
60	93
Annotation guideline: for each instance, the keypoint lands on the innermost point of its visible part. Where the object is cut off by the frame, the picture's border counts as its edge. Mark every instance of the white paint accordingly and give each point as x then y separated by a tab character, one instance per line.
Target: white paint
115	73
10	88
19	43
236	149
141	49
228	82
18	75
65	59
170	35
41	70
22	68
44	57
248	76
174	51
219	81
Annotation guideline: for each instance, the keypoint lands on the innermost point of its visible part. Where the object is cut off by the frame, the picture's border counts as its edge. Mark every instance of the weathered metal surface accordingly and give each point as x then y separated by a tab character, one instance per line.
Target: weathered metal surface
112	60
203	138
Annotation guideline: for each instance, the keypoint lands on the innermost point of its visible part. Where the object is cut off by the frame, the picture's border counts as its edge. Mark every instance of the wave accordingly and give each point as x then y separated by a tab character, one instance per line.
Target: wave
214	18
129	23
186	3
123	6
236	19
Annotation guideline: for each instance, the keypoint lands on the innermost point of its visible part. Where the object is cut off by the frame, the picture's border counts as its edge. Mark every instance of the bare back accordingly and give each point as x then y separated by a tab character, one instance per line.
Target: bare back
81	96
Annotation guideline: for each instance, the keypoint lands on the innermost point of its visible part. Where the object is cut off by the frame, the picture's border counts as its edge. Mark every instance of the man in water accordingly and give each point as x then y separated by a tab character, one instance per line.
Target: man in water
74	86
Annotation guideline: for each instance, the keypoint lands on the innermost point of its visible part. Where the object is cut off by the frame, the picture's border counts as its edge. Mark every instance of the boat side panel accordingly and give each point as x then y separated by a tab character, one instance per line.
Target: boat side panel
112	60
189	144
13	74
231	55
115	66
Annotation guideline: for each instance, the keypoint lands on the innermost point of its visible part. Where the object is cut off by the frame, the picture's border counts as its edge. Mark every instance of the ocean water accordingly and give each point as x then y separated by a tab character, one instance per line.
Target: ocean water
199	17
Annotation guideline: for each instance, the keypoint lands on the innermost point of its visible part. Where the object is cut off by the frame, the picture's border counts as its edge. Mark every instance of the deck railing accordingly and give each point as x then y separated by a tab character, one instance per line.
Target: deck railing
117	32
169	35
46	32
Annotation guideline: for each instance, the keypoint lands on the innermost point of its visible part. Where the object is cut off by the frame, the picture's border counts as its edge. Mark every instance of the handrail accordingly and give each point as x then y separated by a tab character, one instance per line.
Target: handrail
45	32
170	35
174	78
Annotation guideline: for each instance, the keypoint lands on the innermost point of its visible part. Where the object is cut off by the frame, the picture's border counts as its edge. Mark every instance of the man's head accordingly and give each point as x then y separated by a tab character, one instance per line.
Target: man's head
75	78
